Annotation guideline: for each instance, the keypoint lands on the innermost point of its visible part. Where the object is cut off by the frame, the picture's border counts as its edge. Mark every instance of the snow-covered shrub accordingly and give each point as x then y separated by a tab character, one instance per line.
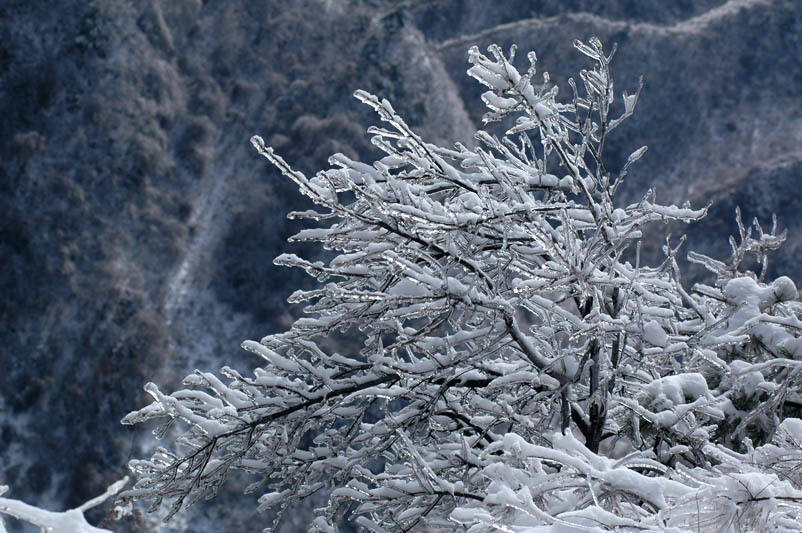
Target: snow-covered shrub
521	369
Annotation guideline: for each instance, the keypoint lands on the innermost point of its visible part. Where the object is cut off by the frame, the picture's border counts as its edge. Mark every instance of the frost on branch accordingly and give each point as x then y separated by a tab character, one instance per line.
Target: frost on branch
519	366
71	521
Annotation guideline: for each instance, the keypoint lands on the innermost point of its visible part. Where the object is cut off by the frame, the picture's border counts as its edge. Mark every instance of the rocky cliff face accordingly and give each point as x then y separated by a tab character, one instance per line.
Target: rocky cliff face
137	226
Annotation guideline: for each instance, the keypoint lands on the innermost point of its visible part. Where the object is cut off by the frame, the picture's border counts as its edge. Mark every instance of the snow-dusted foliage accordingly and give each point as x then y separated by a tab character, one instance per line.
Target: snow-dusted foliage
71	521
518	368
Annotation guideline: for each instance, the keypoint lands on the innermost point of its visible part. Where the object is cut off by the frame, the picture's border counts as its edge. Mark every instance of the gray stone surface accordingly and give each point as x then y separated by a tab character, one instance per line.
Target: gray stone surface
138	227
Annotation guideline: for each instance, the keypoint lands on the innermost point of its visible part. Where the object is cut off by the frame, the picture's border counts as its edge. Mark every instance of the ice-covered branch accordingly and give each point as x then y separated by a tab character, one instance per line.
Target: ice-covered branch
71	521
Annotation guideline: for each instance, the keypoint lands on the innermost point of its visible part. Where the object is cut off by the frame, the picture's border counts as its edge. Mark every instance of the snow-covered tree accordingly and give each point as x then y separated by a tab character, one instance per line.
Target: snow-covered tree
518	367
